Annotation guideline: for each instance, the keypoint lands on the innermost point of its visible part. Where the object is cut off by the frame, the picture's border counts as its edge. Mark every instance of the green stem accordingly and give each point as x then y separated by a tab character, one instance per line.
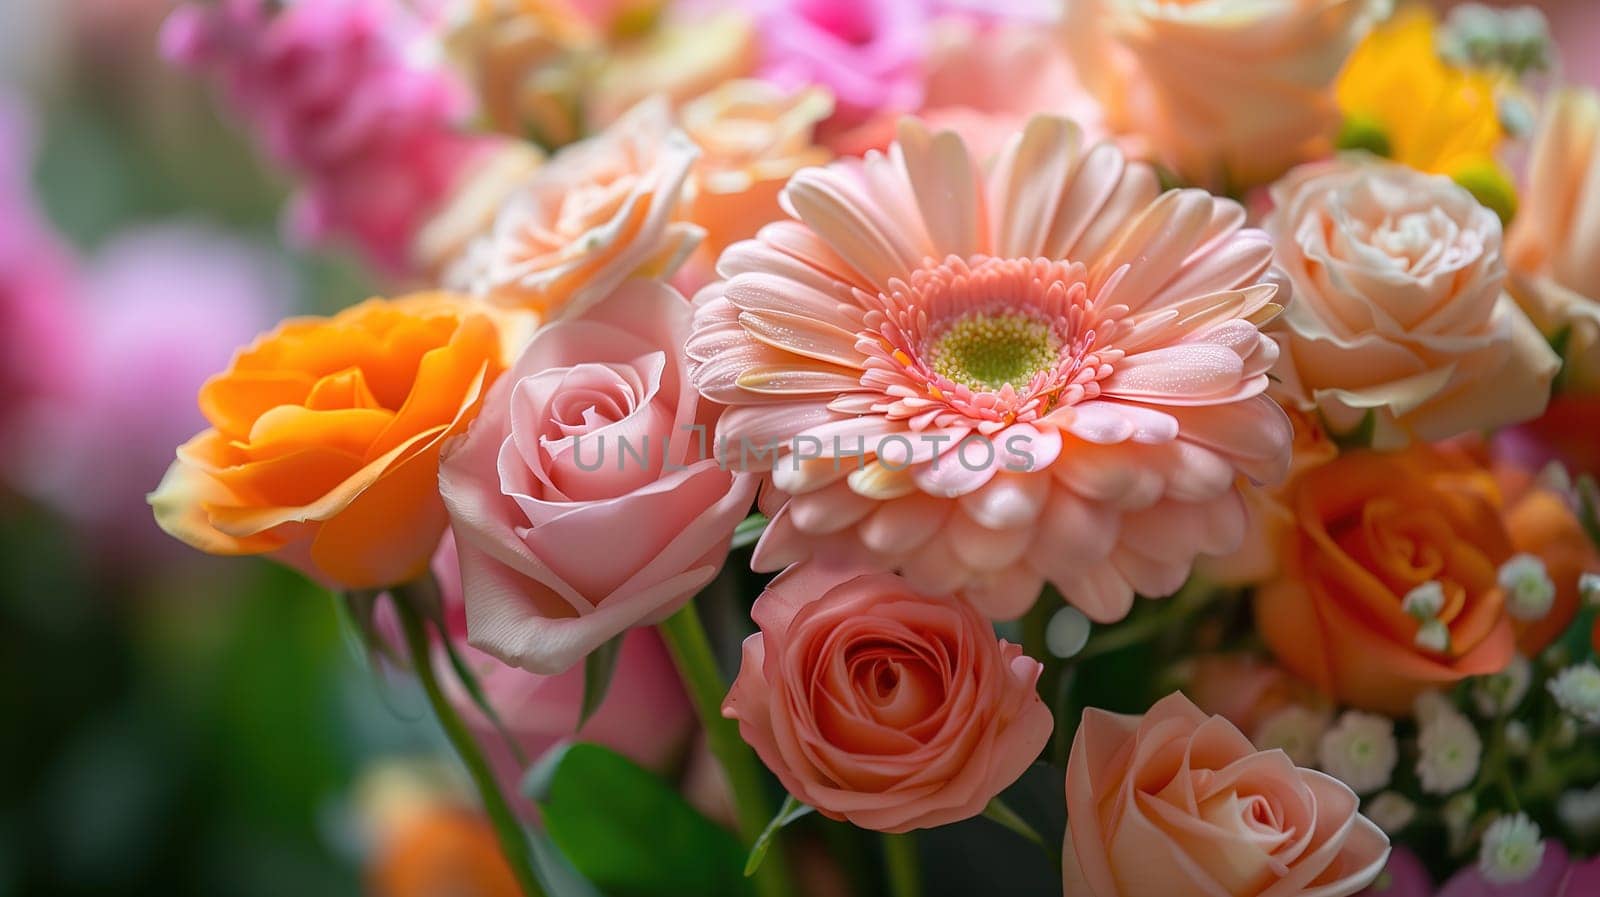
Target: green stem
691	651
513	840
900	865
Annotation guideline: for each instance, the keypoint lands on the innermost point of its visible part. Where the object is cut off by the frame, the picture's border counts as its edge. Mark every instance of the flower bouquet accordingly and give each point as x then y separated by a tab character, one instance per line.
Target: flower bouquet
1153	441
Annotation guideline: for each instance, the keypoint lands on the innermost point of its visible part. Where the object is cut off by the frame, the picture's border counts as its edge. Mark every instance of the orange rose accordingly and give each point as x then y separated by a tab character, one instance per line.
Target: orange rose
1542	523
324	443
441	850
1369	530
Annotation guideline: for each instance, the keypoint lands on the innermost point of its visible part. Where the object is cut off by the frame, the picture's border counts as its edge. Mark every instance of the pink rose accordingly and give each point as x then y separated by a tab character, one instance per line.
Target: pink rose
880	705
1176	802
1403	876
584	498
645	716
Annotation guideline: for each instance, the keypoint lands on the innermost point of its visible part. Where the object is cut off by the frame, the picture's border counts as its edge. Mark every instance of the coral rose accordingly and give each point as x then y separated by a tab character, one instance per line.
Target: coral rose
1553	246
1176	802
1399	311
598	212
584	500
324	441
1371	529
1047	371
1229	93
883	706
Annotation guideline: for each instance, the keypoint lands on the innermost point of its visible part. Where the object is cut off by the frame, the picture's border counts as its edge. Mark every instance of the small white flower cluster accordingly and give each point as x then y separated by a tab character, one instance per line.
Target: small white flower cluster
1448	745
1360	751
1390	811
1512	850
1424	603
1530	593
1577	690
1501	693
1580	811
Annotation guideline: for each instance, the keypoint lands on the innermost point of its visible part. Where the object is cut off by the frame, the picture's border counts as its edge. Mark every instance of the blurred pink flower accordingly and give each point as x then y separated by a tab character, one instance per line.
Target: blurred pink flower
160	309
1558	876
36	286
984	79
868	53
1404	876
646	715
335	93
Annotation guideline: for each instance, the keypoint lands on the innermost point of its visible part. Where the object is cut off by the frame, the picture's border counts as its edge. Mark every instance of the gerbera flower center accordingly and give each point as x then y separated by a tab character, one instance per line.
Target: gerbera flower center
988	350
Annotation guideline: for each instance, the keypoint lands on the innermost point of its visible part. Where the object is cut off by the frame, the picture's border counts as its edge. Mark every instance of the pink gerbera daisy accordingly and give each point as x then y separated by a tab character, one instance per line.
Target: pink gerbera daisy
1049	372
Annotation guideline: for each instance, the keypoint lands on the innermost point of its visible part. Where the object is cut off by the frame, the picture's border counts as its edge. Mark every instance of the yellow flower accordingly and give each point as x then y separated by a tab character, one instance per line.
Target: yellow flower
1402	100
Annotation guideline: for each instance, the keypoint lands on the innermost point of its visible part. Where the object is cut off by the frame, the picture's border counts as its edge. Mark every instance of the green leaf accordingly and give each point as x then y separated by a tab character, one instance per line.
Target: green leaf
598	669
749	530
789	812
628	832
555	873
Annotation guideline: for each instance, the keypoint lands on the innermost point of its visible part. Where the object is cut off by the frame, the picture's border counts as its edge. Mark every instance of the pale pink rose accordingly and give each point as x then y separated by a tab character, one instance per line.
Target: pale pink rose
1228	93
1399	308
986	380
1176	802
880	705
645	716
161	309
598	212
336	91
1558	876
1553	246
583	498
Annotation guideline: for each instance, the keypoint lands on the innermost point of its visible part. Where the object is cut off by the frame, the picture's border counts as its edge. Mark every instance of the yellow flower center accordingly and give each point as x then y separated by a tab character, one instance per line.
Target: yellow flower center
987	350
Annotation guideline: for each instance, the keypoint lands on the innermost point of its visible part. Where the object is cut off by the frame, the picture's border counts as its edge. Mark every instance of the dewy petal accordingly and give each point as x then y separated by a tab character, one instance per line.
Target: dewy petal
1095	343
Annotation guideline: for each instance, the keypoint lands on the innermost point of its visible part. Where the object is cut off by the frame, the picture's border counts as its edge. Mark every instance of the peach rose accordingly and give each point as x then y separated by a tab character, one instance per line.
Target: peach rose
1243	688
324	443
1229	93
1371	529
882	706
598	212
752	135
1554	243
683	56
1178	803
1398	307
584	499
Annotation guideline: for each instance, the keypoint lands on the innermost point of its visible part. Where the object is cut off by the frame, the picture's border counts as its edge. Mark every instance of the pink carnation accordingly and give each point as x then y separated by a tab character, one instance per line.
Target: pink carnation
868	53
1094	340
334	95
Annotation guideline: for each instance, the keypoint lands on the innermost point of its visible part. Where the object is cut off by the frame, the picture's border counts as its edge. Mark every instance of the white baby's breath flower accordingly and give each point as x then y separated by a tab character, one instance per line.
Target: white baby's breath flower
1589	588
1390	811
1360	751
1577	690
1579	811
1450	750
1425	601
1530	593
1433	636
1511	851
1296	730
1500	693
